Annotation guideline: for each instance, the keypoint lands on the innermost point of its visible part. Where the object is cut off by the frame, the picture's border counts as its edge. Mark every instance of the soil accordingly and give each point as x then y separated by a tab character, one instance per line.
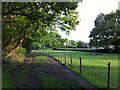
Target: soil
51	67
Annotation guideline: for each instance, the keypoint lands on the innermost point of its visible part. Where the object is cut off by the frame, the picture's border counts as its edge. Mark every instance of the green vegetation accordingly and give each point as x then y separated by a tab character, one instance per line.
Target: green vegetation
51	82
30	26
20	75
106	31
94	66
7	81
41	58
35	24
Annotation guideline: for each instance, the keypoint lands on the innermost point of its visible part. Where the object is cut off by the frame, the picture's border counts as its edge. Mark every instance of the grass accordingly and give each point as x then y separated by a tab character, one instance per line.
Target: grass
17	78
94	66
7	81
51	82
41	58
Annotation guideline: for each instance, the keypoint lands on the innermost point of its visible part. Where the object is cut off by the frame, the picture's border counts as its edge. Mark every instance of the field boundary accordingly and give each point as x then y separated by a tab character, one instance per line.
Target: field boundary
61	58
82	81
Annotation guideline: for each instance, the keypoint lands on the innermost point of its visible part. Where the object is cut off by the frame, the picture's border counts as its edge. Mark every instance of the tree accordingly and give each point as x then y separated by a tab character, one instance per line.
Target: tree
81	44
27	44
106	31
52	40
71	44
34	20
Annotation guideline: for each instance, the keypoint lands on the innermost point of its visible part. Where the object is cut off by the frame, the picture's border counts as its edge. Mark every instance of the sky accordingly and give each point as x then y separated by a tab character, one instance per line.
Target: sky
88	11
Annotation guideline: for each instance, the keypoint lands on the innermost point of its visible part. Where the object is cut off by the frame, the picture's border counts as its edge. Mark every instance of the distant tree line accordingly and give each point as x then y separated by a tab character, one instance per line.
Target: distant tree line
58	43
76	44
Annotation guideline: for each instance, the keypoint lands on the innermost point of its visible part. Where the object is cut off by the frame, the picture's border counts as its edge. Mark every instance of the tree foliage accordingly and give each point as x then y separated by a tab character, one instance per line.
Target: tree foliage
106	31
35	21
71	44
81	44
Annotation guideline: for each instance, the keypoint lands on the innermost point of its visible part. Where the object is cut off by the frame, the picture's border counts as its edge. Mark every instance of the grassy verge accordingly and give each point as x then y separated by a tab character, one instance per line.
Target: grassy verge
15	75
94	66
7	81
41	58
51	82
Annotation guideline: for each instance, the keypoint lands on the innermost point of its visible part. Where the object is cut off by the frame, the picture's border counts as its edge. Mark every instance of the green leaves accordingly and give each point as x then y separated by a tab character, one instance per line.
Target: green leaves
106	31
38	20
67	20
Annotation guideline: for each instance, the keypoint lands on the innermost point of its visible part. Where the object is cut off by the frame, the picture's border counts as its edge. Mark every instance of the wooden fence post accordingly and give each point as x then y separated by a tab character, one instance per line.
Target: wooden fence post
59	55
80	65
56	55
65	58
53	54
108	75
70	60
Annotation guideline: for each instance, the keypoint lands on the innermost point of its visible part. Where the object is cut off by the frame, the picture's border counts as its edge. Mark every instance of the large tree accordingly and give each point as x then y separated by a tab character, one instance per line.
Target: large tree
106	31
34	20
81	44
71	44
53	40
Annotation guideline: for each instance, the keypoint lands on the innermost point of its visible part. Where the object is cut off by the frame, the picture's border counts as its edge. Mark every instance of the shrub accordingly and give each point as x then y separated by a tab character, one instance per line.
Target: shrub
19	55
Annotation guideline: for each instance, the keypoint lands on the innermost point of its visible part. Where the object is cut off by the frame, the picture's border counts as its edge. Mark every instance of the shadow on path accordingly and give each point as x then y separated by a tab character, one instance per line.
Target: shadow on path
26	74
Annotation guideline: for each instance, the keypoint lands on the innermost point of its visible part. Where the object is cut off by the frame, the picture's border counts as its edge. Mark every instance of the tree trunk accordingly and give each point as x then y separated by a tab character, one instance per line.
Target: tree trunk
10	40
6	44
116	48
13	50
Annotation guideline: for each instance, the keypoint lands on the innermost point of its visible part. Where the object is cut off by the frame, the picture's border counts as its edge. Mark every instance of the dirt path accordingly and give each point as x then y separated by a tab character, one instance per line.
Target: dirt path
70	74
32	68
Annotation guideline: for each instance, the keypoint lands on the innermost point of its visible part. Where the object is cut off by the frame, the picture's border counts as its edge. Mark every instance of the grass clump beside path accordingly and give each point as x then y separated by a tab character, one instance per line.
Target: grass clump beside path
37	72
51	82
94	67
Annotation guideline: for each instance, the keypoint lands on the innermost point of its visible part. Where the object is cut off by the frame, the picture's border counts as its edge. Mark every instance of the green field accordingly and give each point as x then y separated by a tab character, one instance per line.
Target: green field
94	67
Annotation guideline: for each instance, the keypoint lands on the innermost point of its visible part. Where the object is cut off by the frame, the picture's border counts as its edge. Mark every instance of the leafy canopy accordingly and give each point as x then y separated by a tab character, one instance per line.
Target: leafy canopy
106	31
35	21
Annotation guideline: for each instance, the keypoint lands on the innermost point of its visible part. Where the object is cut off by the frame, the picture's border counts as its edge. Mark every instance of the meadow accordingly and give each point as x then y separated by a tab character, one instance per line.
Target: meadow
94	67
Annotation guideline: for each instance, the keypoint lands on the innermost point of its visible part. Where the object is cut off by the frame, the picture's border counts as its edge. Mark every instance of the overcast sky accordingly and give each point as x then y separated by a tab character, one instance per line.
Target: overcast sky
88	11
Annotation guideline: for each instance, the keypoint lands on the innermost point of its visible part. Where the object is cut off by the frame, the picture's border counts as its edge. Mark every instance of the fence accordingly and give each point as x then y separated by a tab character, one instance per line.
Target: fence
67	60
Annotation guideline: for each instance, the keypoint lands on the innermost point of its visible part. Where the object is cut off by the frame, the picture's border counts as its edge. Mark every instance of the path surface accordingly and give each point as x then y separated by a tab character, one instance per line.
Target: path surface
50	67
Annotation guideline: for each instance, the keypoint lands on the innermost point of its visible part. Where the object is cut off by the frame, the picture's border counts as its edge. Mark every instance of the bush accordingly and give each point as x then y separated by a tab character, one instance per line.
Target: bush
19	55
106	50
27	45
